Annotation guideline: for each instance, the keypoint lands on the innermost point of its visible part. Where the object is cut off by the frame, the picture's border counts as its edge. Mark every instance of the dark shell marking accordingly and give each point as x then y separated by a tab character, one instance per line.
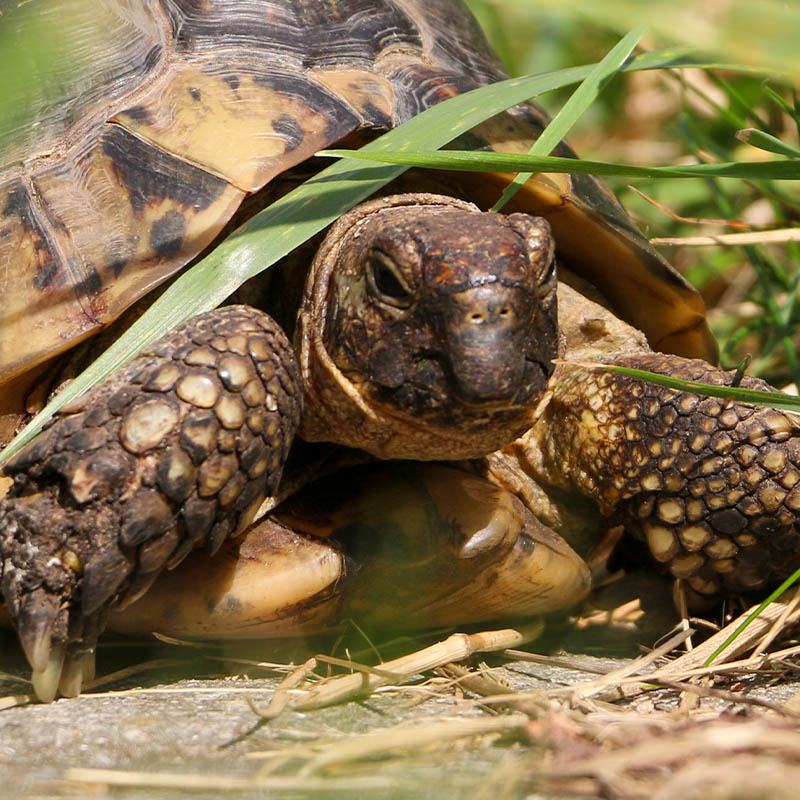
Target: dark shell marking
177	464
138	185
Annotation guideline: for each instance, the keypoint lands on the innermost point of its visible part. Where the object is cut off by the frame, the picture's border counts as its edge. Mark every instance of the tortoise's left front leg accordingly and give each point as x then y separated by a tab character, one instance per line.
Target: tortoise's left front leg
175	451
712	486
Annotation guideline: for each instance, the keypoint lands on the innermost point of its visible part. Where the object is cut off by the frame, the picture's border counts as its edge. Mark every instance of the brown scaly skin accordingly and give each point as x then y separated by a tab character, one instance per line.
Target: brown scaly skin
175	451
178	449
711	486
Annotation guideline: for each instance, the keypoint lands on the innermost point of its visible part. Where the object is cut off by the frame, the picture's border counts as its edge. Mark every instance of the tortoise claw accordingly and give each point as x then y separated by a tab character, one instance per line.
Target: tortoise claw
102	577
77	672
46	679
139	586
57	667
36	621
501	524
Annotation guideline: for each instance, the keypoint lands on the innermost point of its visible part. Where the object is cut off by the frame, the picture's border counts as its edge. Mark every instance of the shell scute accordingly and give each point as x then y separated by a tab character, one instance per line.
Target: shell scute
275	117
115	177
308	33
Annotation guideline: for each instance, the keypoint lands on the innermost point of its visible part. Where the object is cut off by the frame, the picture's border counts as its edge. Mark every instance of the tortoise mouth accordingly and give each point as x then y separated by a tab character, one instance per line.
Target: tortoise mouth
435	388
522	393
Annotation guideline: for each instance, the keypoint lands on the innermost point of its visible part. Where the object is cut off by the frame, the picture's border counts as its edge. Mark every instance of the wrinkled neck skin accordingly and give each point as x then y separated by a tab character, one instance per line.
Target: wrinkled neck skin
555	464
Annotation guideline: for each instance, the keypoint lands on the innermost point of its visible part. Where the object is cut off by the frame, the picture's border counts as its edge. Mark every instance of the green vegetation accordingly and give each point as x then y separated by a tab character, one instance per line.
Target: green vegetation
671	118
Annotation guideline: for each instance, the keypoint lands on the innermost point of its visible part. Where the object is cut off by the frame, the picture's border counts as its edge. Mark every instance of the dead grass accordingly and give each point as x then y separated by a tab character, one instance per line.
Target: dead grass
658	726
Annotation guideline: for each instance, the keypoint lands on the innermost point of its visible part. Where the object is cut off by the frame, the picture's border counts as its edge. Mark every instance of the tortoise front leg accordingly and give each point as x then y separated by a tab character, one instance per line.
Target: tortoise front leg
175	451
712	486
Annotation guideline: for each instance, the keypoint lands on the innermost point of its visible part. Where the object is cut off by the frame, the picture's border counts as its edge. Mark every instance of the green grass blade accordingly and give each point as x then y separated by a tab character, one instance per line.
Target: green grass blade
573	109
770	598
287	223
508	162
776	98
766	141
779	400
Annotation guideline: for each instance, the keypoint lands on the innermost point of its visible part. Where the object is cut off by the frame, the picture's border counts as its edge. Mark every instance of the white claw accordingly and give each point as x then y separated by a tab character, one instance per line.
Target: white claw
37	649
487	538
45	681
77	672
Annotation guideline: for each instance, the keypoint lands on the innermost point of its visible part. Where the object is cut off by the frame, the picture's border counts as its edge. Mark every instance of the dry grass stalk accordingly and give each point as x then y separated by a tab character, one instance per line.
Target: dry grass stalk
225	783
348	663
15	700
634	678
145	666
791	600
578	663
411	737
747	639
777	236
641	760
614	680
728	223
609	685
280	700
723	694
481	682
625	614
455	648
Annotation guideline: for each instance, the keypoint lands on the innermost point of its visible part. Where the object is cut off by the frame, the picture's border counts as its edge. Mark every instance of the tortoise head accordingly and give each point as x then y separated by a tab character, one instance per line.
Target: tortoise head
428	328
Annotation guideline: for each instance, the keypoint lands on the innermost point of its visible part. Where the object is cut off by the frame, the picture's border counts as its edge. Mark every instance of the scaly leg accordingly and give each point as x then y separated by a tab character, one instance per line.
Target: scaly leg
712	486
175	451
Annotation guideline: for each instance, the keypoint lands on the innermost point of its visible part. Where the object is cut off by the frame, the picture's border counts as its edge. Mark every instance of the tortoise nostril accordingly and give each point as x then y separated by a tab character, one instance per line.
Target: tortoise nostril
490	316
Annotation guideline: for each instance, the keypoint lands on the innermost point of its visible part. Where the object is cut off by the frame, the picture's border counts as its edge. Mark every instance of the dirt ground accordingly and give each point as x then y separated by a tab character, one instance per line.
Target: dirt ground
184	722
158	725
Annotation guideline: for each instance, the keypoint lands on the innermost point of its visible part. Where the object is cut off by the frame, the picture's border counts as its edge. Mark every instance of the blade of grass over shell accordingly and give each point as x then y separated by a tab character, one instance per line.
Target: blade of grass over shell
467	160
779	400
277	230
572	110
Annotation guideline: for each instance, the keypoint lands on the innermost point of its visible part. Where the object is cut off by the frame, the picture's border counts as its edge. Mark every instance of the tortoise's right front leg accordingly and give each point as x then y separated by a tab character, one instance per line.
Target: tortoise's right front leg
175	451
711	486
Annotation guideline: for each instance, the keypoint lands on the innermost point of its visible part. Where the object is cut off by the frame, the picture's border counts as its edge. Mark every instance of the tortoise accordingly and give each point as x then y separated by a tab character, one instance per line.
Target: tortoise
426	331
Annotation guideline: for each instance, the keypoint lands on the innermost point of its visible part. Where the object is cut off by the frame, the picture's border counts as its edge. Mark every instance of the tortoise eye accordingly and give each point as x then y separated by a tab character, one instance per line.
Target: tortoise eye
386	283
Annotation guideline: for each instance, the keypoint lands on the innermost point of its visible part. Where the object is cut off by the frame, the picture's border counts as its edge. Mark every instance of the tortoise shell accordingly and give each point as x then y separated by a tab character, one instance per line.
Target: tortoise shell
145	124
